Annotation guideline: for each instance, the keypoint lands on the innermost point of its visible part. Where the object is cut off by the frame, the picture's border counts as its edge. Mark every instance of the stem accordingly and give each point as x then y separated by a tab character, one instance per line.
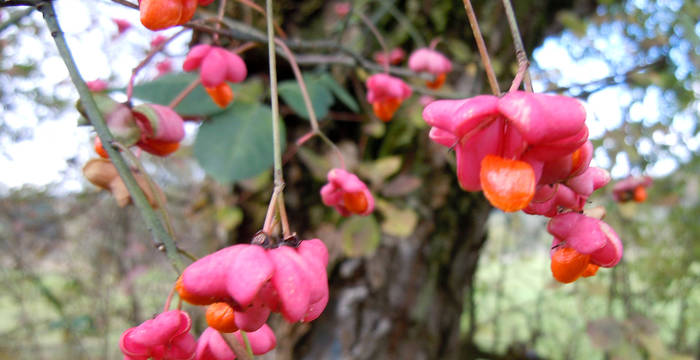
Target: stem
235	346
183	94
316	130
286	232
257	8
166	307
219	17
274	99
271	207
245	47
434	43
377	35
144	62
149	216
151	185
518	42
522	72
482	47
248	348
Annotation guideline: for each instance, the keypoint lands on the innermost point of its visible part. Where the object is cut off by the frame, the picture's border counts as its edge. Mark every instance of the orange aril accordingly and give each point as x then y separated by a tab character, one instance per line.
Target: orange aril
157	147
576	160
355	202
568	264
591	269
185	296
437	83
221	317
385	109
222	95
508	184
640	194
99	149
160	14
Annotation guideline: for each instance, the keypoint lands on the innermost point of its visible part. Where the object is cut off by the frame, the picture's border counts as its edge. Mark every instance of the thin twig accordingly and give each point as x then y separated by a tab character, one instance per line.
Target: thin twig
485	59
144	62
248	348
186	91
274	98
271	207
153	223
377	35
238	349
219	17
126	3
518	42
286	231
151	184
277	148
257	8
307	101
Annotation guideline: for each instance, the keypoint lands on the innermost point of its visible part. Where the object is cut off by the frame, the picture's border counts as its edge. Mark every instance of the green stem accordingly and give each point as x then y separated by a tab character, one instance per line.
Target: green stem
154	189
149	216
518	42
277	147
235	346
248	348
274	98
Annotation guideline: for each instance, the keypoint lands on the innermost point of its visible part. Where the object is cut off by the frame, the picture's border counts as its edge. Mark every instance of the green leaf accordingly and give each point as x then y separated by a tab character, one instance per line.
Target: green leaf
165	88
380	170
340	92
236	144
360	236
321	96
397	222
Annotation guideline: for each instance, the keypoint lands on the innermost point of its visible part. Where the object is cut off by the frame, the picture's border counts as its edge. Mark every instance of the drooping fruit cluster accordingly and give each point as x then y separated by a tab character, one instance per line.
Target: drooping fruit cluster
153	128
431	62
244	283
216	66
531	152
386	93
632	189
166	337
581	244
396	56
241	285
347	194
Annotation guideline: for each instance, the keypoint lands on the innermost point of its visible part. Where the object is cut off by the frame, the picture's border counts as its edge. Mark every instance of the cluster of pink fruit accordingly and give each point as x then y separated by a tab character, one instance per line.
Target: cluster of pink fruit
242	284
531	152
154	128
386	93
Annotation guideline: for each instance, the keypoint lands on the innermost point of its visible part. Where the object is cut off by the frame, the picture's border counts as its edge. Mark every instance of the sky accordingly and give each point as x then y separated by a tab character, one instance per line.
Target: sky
45	157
